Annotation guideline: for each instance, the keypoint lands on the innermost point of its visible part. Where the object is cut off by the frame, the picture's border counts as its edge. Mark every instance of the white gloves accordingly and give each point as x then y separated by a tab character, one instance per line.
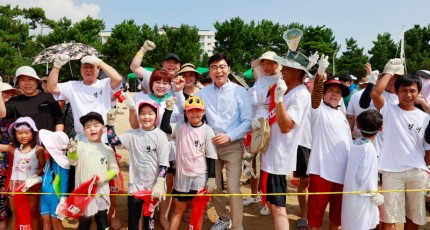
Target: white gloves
322	65
280	90
377	199
111	116
34	179
159	188
147	46
72	146
255	123
373	76
211	185
91	59
60	207
170	102
393	66
61	59
313	59
129	102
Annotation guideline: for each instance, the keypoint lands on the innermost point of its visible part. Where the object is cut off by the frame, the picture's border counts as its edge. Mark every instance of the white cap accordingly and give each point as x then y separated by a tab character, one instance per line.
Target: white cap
27	71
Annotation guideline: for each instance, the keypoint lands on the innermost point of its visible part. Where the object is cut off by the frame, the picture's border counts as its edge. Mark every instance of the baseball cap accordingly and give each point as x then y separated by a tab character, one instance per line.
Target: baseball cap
172	56
91	116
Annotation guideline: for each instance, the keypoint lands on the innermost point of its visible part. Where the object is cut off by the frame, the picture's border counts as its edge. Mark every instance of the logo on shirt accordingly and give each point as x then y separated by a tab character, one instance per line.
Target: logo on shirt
96	94
411	127
149	150
103	160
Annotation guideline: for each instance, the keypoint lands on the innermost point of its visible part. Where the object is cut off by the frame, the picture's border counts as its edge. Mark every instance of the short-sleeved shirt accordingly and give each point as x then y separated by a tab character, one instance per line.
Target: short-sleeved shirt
281	154
193	145
331	141
42	108
147	150
404	145
87	98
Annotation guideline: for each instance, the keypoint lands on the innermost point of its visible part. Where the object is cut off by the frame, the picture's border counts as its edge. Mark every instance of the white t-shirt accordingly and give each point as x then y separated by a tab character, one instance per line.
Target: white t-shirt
358	211
95	159
193	145
259	95
281	154
354	109
392	99
404	145
87	98
331	140
147	151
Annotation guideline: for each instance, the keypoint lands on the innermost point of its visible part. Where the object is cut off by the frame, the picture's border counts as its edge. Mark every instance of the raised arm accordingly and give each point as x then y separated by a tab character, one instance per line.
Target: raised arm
390	68
284	120
135	65
52	83
317	93
165	121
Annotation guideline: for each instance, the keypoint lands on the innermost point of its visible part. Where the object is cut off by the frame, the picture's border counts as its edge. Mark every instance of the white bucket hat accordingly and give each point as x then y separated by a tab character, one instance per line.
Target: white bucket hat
56	145
6	87
27	71
269	55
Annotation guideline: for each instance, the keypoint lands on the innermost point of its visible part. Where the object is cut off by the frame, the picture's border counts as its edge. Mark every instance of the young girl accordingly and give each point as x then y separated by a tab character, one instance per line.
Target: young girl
149	151
55	178
195	156
28	163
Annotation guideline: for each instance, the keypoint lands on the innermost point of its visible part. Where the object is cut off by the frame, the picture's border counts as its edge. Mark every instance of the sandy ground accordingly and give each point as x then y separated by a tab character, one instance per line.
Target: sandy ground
252	219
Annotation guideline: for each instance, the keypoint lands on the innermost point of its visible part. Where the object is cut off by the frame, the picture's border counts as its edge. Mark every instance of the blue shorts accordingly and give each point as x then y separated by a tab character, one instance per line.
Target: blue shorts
48	204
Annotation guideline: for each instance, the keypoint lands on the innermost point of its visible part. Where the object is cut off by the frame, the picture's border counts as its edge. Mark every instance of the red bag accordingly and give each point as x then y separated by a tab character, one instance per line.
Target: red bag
23	217
79	199
149	206
197	210
272	109
116	185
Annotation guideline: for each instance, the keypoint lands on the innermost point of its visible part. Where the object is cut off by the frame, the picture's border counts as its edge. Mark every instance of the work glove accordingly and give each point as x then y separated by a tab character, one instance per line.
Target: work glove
111	116
129	102
61	59
159	188
377	199
322	65
255	123
280	90
313	59
373	76
211	185
147	46
30	182
60	207
72	146
393	66
170	102
91	59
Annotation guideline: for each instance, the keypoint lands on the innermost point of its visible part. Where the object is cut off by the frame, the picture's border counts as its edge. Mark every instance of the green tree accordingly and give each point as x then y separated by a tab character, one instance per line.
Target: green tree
383	50
417	48
184	41
352	60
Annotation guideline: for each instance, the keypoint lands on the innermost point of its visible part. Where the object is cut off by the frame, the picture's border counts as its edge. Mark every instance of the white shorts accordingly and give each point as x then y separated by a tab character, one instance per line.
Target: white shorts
185	183
398	205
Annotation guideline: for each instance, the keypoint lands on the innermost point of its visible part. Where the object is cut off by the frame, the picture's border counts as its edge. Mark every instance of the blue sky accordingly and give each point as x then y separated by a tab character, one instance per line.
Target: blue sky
360	19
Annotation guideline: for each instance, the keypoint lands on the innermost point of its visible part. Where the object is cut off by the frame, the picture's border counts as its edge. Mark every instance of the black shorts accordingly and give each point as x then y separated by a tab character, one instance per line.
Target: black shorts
171	169
276	184
303	154
184	198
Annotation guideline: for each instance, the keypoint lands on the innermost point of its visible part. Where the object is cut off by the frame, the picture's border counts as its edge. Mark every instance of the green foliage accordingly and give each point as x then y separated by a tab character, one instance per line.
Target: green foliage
417	48
352	60
383	50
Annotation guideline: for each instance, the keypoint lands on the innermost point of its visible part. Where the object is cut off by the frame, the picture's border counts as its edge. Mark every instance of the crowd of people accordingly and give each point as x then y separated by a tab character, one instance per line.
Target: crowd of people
188	129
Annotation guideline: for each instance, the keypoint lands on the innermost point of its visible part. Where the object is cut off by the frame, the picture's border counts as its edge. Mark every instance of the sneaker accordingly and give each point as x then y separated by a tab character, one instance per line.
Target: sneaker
265	211
221	225
251	200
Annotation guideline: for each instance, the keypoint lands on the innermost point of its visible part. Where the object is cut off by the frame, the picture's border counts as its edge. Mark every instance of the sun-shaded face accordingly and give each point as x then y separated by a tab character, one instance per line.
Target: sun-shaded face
24	137
219	72
195	116
289	73
93	130
190	78
28	85
89	73
333	95
268	67
147	117
172	66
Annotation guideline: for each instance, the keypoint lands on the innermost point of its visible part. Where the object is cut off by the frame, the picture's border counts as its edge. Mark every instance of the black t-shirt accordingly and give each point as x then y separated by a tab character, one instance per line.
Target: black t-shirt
42	108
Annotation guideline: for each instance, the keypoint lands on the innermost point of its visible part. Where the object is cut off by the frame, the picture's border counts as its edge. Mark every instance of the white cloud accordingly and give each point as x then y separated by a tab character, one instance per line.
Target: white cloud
56	9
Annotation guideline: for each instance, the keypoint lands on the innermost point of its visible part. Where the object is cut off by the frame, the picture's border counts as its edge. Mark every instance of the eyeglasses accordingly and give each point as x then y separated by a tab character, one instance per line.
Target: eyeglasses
216	67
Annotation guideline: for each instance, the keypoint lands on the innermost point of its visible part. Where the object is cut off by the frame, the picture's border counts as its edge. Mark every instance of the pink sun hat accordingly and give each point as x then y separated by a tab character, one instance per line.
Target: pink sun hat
56	145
